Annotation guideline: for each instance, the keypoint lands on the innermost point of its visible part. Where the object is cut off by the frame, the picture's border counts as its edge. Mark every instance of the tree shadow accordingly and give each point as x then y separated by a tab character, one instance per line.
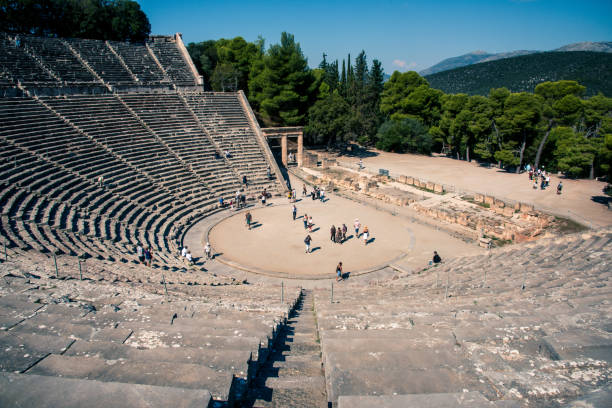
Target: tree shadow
602	200
315	249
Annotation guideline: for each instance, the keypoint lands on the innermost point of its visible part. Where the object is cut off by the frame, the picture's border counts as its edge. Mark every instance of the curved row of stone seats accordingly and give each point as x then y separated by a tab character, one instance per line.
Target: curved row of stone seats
227	123
100	58
536	333
140	62
58	58
167	53
99	211
173	122
54	62
122	333
18	67
110	123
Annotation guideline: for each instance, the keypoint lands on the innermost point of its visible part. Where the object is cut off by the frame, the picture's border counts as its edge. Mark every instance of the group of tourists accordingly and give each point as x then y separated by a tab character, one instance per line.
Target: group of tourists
338	234
539	178
186	254
145	255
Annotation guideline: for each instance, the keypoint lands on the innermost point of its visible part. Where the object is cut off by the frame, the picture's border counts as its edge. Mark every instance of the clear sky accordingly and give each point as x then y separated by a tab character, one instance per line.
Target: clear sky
403	35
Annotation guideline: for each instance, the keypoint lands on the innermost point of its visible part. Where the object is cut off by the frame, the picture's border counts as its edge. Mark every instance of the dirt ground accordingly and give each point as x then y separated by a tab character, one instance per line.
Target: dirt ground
581	200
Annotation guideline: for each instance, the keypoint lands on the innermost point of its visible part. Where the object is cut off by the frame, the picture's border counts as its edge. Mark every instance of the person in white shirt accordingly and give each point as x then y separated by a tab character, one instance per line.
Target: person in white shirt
189	258
207	250
184	252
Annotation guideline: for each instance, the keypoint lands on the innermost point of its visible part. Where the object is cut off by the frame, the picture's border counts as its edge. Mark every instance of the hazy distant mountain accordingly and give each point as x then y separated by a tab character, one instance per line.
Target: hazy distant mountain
603	46
482	56
456	62
523	73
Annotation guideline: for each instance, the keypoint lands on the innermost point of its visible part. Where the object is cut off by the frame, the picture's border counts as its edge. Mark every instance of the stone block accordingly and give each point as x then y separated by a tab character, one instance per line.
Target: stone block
429	185
27	390
438	188
402	179
508	212
489	200
409	181
500	204
479	198
470	399
526	208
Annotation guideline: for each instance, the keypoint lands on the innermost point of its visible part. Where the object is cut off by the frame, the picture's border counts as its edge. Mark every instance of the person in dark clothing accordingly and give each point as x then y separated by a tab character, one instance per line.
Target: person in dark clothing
332	231
248	219
436	258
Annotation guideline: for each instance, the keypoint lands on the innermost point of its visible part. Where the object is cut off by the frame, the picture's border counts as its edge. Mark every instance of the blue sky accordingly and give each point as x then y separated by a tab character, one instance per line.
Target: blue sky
403	35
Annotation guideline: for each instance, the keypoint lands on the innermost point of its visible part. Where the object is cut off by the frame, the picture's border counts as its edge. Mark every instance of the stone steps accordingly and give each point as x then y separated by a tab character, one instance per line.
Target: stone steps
24	390
293	375
166	374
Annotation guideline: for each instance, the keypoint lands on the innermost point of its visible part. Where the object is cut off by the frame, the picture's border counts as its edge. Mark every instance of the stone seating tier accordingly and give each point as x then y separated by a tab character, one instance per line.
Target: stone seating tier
76	331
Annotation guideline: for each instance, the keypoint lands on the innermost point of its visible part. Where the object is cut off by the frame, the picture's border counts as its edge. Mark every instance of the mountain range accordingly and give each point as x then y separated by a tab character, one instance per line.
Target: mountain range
476	57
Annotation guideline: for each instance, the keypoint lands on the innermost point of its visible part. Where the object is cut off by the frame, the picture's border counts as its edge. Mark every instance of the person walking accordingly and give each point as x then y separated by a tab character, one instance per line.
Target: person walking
332	231
305	221
189	258
365	234
436	258
148	253
339	272
184	251
559	187
293	195
310	224
344	229
140	253
357	225
304	190
294	212
307	241
207	250
248	217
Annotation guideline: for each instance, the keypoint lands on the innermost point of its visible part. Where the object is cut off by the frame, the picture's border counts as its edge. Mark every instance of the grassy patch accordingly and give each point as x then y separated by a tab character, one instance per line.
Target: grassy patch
428	190
470	199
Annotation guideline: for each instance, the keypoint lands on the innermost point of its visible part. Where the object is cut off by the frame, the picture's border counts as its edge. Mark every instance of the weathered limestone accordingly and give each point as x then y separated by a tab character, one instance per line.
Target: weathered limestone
49	392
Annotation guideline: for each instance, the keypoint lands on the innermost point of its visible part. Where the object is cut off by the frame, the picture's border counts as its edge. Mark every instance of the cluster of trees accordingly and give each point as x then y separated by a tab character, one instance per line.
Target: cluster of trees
120	20
555	127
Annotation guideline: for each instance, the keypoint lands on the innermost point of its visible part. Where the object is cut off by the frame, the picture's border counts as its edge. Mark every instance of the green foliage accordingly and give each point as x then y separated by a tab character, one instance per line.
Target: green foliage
119	20
205	58
574	152
327	120
524	73
282	87
406	135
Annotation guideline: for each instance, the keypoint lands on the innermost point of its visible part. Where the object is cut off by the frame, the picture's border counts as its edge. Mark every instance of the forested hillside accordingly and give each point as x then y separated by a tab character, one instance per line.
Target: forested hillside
523	73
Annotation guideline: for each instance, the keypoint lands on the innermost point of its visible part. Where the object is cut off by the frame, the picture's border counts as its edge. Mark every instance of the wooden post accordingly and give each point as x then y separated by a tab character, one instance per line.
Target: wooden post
80	270
282	292
5	253
331	300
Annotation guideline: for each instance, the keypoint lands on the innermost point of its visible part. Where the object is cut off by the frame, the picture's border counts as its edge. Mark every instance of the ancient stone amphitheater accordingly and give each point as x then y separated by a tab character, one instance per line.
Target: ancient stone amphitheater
108	145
